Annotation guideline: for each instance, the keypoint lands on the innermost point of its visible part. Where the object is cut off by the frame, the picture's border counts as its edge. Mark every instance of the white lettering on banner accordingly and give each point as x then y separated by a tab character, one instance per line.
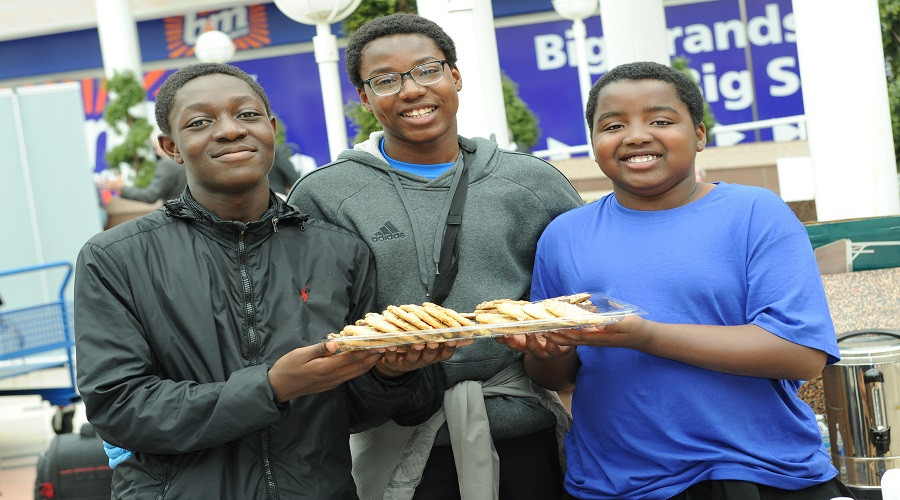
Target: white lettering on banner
734	88
733	28
787	82
595	50
709	87
549	52
553	52
697	39
790	35
770	29
233	22
766	30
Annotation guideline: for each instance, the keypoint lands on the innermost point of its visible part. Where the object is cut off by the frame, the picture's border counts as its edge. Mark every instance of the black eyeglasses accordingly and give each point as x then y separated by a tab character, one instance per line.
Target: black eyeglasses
391	83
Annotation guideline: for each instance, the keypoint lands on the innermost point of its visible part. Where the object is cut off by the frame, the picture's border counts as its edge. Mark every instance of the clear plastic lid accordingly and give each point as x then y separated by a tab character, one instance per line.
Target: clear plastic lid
608	310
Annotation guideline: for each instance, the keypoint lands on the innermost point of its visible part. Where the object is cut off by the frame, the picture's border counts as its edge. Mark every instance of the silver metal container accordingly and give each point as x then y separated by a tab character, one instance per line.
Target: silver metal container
862	404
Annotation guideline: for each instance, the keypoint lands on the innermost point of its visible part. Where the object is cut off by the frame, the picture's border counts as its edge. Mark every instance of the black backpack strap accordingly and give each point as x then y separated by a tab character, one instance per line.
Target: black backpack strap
448	265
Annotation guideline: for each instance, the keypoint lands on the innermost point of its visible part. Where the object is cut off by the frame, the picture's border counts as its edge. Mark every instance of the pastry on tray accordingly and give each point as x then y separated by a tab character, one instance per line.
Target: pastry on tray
428	322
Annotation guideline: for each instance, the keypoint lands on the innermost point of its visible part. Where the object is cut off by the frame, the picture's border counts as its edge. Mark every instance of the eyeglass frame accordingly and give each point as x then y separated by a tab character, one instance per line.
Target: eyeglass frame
409	75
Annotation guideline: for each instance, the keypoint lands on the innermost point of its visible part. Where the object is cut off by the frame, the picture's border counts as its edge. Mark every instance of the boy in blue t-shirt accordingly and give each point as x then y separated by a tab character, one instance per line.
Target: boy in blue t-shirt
697	399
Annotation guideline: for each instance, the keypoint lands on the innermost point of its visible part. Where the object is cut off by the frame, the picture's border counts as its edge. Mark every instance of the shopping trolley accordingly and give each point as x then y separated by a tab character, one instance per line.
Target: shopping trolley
39	337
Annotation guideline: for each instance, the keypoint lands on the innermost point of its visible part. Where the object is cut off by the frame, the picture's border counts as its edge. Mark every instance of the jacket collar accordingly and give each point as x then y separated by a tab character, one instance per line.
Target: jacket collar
278	214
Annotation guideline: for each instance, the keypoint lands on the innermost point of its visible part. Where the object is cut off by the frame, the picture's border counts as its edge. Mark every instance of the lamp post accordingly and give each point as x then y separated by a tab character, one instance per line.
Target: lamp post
214	46
120	50
322	14
622	43
577	10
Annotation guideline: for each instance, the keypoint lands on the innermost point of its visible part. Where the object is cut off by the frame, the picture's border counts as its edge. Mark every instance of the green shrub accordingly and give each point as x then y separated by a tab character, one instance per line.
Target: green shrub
135	150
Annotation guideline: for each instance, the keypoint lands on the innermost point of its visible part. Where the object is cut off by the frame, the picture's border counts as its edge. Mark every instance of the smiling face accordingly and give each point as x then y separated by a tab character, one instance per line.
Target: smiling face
223	135
645	141
419	121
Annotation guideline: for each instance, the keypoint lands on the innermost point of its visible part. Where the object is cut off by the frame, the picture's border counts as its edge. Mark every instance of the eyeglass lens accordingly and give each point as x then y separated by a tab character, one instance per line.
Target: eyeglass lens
423	74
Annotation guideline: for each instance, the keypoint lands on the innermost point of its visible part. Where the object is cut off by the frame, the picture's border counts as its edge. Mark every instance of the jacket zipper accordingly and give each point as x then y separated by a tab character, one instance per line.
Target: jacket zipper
253	345
167	469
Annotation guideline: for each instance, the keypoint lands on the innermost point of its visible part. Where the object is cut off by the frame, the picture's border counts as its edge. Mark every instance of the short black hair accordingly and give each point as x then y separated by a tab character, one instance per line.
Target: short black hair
166	95
687	89
394	24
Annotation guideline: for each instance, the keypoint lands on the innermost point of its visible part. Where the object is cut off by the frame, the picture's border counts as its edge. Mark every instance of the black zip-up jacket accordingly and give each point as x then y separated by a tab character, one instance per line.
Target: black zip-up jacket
179	316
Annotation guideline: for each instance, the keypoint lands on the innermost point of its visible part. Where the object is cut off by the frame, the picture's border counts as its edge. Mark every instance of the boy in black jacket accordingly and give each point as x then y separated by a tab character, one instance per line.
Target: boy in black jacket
199	326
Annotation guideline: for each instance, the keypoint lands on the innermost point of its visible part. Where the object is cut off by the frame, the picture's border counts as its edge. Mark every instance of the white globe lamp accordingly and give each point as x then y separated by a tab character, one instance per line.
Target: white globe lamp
322	14
576	9
317	11
214	46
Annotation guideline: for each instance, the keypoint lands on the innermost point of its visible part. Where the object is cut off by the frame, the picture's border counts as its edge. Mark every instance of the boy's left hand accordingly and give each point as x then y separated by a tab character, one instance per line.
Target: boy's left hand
399	360
540	346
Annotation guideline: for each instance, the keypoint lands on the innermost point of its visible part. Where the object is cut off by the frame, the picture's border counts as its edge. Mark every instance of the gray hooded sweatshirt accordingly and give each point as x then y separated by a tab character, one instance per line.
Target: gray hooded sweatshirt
511	198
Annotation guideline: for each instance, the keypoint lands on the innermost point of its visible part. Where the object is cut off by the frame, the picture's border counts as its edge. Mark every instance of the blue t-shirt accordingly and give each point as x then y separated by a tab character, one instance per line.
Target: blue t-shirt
428	171
649	427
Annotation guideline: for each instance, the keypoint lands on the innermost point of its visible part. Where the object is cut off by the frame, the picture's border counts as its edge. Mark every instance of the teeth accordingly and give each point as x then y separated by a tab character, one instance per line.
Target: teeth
416	113
641	159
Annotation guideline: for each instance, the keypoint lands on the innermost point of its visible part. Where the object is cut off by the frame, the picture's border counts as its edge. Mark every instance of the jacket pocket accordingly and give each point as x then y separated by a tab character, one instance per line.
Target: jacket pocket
144	476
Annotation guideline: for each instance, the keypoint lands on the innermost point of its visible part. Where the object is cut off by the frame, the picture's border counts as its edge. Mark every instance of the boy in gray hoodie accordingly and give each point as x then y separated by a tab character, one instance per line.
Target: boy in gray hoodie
396	191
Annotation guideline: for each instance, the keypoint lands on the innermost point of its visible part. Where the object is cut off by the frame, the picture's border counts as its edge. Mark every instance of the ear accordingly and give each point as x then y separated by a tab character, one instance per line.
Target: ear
457	77
364	98
701	136
171	150
274	124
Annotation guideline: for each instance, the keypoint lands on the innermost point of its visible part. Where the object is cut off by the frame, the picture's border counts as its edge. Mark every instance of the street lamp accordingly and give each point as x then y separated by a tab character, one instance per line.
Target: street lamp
214	46
577	10
322	14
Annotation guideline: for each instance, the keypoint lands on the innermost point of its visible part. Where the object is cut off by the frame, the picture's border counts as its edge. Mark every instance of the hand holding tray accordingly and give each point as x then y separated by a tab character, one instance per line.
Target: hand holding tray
416	324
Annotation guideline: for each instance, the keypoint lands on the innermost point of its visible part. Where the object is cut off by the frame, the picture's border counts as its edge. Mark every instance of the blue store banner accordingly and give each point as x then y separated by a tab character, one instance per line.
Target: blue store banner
710	35
746	68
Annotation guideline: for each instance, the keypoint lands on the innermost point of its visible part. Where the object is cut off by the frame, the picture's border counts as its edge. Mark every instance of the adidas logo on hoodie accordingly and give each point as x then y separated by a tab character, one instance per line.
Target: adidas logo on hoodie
388	232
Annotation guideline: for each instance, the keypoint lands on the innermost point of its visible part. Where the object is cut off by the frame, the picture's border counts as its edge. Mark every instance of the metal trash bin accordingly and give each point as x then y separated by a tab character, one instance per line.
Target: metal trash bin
862	403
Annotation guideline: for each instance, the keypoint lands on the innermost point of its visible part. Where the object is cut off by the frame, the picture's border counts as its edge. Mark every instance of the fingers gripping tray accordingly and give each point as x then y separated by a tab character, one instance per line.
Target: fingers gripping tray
415	324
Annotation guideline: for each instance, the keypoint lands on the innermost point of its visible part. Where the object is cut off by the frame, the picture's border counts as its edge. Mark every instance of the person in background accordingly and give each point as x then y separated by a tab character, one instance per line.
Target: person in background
303	163
433	205
283	174
169	180
696	399
200	326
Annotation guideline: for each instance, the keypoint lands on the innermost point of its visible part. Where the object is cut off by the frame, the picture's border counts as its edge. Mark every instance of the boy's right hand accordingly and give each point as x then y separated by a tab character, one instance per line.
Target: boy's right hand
550	364
315	368
397	362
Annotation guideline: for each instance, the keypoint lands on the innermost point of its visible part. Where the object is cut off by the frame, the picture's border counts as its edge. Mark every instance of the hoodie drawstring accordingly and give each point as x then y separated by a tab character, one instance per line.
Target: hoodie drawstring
442	222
